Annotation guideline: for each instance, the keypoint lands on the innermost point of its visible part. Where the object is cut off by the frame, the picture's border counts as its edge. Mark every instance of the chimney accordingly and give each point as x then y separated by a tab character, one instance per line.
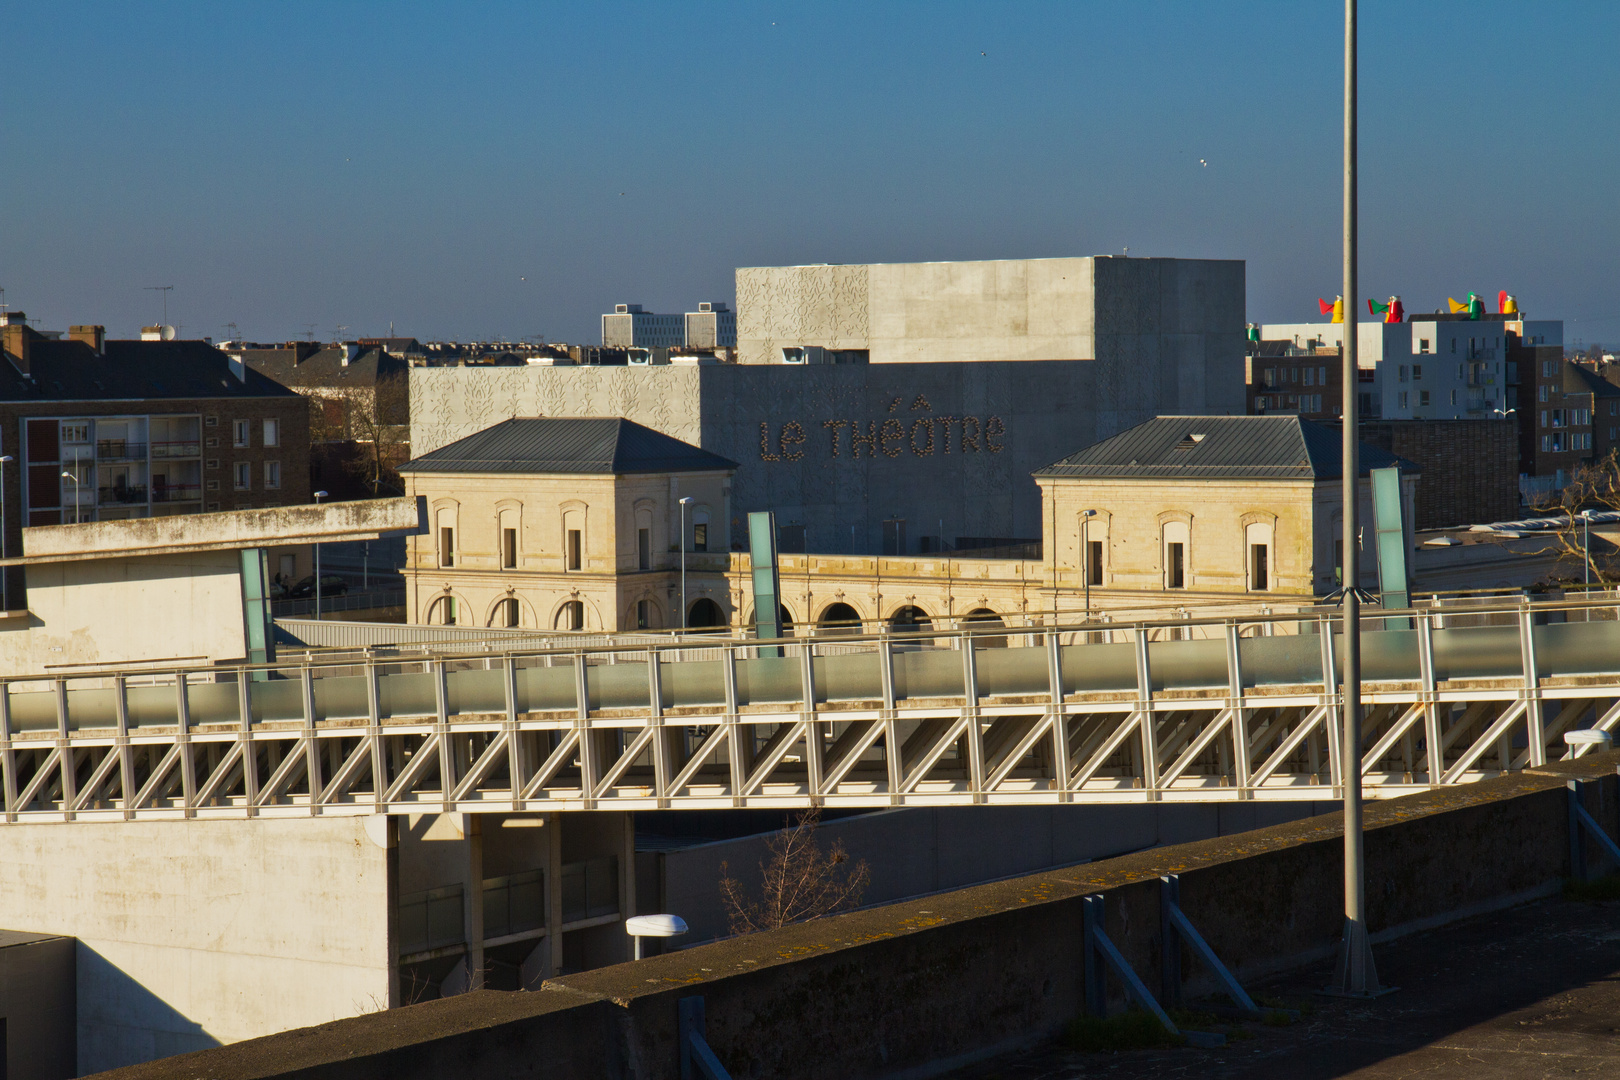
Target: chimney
93	336
14	338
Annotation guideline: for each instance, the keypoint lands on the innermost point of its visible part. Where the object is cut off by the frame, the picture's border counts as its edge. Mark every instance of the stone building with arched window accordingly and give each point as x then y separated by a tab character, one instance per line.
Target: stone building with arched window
568	523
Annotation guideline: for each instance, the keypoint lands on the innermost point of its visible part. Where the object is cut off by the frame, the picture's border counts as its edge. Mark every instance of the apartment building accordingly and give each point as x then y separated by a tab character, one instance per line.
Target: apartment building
100	430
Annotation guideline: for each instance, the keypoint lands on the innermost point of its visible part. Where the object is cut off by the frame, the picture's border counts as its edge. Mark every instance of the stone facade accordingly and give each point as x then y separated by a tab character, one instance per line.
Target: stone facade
469	582
842	449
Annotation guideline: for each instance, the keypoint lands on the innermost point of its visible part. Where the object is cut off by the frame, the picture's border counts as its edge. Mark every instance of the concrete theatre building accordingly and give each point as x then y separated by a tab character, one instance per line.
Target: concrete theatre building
979	373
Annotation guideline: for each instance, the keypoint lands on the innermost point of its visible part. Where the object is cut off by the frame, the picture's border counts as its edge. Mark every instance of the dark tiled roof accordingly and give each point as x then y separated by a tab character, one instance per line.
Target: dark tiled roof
598	445
129	370
1222	447
325	367
1579	379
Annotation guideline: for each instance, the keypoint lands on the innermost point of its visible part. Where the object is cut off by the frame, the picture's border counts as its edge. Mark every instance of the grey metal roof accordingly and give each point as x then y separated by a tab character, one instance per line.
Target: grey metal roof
1223	447
599	445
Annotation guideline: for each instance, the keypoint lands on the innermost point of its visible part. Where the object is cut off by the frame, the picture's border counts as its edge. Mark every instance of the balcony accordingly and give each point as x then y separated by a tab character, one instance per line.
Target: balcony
122	495
170	493
177	448
120	450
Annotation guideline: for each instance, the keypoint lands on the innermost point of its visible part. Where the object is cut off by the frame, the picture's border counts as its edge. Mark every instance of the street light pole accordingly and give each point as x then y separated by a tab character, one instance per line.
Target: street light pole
69	476
685	502
319	495
1356	975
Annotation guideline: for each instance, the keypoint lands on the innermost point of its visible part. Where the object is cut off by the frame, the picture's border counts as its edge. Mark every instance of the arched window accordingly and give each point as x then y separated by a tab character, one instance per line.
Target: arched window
571	616
981	619
840	618
507	613
443	611
705	613
910	617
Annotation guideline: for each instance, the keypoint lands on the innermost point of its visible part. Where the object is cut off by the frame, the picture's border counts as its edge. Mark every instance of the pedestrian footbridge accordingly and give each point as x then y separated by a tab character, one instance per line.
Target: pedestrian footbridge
1207	711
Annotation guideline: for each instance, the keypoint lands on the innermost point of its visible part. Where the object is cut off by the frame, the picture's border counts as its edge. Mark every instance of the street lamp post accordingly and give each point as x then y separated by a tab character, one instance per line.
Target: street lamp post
685	502
1085	554
1586	558
76	504
1357	976
319	495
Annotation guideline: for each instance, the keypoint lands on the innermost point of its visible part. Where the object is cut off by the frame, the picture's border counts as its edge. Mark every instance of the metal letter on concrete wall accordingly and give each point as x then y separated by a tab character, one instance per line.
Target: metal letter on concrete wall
1391	536
767	589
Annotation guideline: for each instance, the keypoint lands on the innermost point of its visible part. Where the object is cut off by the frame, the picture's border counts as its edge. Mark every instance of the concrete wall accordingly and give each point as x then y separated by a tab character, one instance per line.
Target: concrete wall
194	933
952	444
1158	318
918	851
917	987
37	1018
184	608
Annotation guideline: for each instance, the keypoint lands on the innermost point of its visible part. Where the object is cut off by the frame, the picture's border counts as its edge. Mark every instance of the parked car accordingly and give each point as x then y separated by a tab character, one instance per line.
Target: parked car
331	585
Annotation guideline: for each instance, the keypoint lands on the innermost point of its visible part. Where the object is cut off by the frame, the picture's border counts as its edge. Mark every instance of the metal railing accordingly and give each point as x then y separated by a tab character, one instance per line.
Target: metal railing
176	448
1199	709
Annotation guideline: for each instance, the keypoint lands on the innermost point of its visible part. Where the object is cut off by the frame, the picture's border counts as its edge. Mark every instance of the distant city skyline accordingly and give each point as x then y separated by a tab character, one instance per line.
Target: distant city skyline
512	171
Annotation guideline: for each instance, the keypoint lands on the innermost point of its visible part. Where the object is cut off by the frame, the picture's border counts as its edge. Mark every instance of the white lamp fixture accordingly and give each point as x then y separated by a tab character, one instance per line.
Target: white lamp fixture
1586	740
659	926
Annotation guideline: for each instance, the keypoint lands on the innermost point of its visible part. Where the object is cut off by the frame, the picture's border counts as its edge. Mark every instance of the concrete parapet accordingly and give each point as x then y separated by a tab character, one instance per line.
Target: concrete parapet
916	987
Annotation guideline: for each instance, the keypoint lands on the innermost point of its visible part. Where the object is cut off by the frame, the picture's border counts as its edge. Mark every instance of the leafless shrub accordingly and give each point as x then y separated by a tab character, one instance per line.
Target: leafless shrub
798	881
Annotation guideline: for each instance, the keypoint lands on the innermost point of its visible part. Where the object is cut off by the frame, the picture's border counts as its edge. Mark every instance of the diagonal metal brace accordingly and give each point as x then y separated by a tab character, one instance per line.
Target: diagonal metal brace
1580	819
698	1062
1098	949
1178	928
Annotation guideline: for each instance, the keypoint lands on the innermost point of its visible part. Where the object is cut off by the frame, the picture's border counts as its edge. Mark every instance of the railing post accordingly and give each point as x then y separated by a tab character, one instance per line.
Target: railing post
812	729
1536	730
1333	701
739	761
65	754
8	755
1240	715
970	711
655	718
1433	751
188	763
379	757
448	773
891	734
1054	709
312	747
250	759
1577	840
1144	715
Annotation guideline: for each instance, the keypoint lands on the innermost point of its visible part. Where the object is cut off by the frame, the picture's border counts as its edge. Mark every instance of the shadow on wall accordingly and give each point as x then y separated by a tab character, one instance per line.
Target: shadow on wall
123	1023
913	852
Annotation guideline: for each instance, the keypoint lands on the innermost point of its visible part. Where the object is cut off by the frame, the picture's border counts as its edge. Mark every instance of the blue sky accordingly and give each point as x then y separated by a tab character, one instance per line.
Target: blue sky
482	170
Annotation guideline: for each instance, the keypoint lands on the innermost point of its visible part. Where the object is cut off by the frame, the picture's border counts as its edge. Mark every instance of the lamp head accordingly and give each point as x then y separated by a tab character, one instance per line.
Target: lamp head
320	494
686	500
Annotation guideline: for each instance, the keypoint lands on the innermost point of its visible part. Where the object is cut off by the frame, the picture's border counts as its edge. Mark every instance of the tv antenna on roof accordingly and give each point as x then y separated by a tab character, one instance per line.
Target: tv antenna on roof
340	330
164	289
232	328
309	332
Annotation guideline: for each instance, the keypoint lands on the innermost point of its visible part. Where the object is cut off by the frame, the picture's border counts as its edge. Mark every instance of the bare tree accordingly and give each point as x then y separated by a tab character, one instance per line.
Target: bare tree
375	425
798	881
1594	486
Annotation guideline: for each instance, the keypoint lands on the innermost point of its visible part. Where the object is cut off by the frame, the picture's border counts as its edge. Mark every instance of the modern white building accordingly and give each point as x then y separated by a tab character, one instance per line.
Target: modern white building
712	326
629	327
1432	367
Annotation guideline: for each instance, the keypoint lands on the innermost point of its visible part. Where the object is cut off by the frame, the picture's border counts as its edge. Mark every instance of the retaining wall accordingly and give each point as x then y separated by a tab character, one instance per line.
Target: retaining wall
916	987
